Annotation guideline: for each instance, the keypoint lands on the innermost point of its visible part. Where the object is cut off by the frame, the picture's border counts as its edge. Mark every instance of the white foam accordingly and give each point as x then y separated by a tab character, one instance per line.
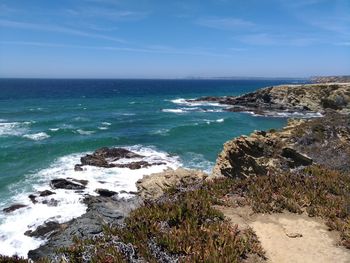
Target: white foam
213	121
69	203
103	128
37	136
13	128
301	115
173	110
54	129
193	102
162	132
106	123
83	132
81	119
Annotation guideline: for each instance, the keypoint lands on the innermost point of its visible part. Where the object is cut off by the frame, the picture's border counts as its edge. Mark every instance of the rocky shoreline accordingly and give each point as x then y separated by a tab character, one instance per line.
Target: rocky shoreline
288	99
303	142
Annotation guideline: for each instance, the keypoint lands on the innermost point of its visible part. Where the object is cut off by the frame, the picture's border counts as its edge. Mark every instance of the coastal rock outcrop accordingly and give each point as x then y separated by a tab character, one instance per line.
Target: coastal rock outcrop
107	158
153	186
66	184
301	143
100	211
306	98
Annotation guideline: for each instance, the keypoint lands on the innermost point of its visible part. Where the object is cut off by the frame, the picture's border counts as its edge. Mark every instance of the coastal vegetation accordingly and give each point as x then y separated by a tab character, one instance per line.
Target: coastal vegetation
184	223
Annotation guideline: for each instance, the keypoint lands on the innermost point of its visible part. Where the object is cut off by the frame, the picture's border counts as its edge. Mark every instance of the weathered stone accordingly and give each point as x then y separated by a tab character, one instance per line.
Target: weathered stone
154	185
297	159
65	184
300	143
101	211
46	230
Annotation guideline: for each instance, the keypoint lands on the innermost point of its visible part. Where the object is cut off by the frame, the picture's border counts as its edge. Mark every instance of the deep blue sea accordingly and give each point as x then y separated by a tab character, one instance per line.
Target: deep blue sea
47	125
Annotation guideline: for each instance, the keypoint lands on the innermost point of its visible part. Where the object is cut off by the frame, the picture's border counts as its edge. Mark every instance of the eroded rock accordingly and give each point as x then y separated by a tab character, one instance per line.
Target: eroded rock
65	184
154	185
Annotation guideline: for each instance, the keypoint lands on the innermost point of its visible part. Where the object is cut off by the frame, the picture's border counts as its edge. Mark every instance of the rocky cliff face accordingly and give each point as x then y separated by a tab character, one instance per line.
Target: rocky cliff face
291	98
323	140
331	79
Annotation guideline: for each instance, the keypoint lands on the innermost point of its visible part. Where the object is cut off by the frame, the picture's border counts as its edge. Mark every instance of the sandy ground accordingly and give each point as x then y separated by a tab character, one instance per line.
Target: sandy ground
291	238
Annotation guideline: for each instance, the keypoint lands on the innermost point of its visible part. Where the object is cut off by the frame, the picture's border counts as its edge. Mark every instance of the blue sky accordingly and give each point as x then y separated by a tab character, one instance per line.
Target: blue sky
172	39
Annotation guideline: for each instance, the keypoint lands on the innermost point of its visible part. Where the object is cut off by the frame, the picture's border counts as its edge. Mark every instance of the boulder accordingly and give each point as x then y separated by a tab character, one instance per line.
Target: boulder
296	158
33	198
46	193
105	192
65	184
152	186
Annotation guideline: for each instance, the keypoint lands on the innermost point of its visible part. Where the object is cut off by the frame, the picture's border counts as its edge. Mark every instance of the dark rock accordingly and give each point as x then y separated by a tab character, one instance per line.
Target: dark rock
103	156
51	202
116	153
94	160
297	159
33	198
46	230
13	208
78	167
106	192
134	165
65	184
46	193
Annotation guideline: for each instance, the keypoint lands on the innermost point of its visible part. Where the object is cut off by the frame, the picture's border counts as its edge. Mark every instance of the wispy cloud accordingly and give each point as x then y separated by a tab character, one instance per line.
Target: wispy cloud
301	3
265	39
107	13
225	23
56	29
159	49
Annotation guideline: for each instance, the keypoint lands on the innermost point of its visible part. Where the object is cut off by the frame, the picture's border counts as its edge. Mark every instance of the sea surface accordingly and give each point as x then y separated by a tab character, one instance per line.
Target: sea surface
47	125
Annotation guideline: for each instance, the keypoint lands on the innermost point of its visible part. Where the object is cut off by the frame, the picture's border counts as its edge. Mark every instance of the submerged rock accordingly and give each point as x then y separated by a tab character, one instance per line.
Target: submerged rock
13	208
46	193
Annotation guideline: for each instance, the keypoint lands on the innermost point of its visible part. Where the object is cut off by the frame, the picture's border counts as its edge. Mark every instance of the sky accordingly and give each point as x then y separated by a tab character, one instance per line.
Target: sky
174	39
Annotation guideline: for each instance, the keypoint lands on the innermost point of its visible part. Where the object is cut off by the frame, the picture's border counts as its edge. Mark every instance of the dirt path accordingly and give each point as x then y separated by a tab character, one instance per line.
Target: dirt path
291	238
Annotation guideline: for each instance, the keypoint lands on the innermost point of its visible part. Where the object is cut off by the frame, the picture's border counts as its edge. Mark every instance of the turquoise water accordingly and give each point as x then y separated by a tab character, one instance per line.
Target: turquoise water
42	122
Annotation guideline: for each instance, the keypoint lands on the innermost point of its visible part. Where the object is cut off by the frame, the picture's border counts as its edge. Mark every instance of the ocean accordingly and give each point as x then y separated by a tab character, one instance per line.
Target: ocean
47	125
